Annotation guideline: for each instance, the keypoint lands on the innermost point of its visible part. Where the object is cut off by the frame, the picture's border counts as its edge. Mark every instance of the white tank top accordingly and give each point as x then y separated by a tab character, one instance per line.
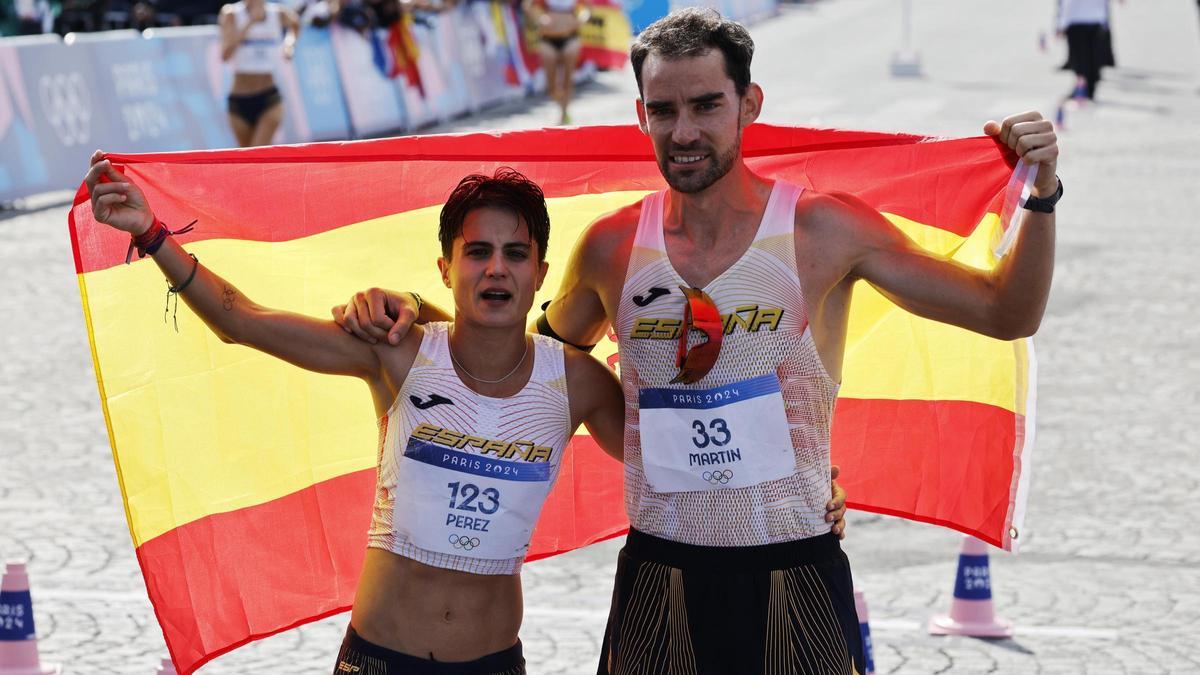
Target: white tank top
259	52
462	476
751	438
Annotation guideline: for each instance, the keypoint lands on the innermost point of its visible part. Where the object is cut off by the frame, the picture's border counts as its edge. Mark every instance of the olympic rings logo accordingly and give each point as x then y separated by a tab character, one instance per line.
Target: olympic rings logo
68	105
718	477
464	542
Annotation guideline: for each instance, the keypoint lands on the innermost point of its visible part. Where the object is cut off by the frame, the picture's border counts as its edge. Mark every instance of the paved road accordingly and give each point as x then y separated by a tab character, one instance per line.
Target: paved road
1109	577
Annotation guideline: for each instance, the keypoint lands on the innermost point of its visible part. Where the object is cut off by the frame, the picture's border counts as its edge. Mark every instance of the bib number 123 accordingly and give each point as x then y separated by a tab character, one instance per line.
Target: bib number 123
468	497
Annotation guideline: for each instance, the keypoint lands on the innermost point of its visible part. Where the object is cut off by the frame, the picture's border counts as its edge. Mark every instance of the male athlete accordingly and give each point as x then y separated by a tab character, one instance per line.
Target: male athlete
730	566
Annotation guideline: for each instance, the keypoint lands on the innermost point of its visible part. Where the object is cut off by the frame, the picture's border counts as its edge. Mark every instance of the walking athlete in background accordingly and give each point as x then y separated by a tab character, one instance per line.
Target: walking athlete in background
558	25
254	33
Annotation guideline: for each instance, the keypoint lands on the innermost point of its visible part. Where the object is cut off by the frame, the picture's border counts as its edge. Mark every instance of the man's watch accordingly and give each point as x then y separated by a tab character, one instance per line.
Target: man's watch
1045	204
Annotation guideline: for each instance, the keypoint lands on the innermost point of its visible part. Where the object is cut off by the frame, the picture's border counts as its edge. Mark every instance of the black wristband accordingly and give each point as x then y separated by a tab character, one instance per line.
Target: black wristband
420	303
155	244
1045	204
543	328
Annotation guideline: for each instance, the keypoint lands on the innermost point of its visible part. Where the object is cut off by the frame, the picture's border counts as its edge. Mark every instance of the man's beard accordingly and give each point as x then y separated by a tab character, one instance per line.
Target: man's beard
697	180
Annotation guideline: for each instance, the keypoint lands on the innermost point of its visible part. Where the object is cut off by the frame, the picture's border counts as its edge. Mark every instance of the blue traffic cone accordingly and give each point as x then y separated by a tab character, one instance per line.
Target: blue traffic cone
18	639
864	629
971	611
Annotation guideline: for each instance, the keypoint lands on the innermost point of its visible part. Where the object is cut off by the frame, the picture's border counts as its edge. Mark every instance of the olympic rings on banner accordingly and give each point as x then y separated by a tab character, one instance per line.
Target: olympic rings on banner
67	103
464	542
718	477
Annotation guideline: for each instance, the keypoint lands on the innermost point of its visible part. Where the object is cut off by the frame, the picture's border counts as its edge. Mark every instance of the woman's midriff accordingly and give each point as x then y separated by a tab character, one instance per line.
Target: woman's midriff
558	24
435	613
251	83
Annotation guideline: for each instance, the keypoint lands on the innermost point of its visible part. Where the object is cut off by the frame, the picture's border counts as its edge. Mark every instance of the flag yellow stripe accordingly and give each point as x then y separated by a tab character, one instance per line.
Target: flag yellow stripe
893	354
87	319
201	427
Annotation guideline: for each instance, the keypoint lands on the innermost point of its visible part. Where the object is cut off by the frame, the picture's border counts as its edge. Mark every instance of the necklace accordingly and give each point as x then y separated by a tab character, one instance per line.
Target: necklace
480	379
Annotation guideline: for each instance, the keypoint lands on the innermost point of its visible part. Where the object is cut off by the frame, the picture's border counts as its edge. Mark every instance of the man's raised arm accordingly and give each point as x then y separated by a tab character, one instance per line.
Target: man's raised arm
1005	303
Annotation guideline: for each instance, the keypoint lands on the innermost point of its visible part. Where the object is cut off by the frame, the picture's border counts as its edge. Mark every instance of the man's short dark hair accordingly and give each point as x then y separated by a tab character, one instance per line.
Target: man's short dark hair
692	32
508	190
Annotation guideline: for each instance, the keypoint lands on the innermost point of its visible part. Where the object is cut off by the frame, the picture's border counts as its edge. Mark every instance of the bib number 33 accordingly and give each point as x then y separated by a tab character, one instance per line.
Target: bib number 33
716	433
725	437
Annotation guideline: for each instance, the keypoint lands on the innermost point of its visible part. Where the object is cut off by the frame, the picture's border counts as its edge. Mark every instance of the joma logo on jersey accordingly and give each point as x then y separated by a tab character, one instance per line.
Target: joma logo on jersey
750	318
525	450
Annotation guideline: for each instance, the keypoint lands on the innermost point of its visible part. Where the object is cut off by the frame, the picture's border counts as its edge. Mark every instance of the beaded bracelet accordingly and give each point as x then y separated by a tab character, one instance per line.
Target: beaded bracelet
148	242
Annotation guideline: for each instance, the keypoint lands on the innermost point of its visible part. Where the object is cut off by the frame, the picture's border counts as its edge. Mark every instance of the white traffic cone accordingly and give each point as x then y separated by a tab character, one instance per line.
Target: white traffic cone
971	611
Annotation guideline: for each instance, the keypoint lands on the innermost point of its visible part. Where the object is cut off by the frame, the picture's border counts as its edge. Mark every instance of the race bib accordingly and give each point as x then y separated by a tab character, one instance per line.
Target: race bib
725	437
468	504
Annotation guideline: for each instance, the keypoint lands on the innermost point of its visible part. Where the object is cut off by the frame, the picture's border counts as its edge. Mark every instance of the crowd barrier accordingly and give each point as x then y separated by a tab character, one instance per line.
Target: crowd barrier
165	89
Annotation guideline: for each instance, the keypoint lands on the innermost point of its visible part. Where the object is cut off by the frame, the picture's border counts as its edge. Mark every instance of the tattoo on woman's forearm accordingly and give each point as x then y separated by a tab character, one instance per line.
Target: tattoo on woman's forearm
227	298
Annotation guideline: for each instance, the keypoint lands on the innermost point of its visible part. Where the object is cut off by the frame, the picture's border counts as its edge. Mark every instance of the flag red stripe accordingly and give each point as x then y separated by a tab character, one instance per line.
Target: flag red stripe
959	455
338	184
216	566
214	581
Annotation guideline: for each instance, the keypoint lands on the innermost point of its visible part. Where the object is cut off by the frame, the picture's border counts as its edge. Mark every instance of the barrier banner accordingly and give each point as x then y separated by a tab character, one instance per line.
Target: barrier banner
69	114
521	39
23	166
130	80
192	67
484	55
166	89
424	104
319	86
372	98
441	39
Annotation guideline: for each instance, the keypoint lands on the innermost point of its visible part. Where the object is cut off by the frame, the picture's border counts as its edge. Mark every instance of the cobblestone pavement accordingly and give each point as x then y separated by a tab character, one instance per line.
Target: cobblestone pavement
1109	577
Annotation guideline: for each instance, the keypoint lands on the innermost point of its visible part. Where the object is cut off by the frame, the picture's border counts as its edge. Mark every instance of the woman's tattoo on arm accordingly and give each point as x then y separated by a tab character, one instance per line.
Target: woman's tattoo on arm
227	298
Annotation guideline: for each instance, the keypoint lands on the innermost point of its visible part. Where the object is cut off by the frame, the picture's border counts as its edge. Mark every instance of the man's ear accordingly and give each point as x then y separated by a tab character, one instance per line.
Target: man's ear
541	275
641	113
444	268
752	102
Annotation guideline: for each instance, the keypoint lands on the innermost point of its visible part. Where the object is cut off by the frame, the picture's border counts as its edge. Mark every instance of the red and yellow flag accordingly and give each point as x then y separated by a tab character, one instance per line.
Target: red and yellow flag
248	482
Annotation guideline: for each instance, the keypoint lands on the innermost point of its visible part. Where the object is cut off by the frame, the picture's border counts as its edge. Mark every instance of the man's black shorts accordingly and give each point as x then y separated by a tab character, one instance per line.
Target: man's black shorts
774	609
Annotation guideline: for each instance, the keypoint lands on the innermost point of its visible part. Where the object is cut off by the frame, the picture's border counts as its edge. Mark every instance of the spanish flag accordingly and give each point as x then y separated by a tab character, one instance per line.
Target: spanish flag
404	52
248	482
